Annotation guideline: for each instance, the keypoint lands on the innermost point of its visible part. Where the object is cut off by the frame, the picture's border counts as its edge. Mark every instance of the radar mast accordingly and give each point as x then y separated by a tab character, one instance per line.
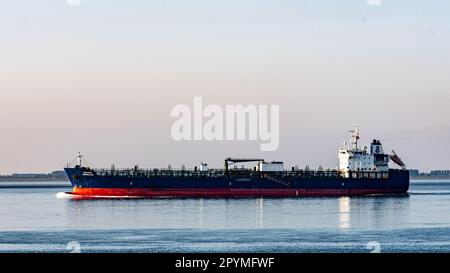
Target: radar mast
355	138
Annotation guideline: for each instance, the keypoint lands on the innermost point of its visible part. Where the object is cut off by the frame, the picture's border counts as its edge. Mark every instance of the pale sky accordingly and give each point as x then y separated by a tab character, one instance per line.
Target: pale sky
102	77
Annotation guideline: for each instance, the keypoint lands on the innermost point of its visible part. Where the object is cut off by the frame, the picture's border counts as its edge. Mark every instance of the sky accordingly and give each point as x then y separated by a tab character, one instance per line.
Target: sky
101	77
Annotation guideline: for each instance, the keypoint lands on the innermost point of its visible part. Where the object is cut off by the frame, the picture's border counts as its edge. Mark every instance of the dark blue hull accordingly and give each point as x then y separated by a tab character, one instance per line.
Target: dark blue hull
87	182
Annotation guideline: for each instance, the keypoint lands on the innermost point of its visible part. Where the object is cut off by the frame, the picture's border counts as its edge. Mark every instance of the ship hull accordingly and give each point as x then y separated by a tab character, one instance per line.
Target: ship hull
224	193
89	184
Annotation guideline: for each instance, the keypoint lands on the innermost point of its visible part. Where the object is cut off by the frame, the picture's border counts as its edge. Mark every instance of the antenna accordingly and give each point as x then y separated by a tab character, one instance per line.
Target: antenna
355	137
80	159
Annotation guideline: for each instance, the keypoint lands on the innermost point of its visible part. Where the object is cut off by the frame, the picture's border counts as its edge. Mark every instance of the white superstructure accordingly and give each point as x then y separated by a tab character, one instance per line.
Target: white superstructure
203	167
274	166
358	159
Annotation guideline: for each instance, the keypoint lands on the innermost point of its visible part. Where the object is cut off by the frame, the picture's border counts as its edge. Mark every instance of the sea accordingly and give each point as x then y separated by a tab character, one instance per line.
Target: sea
39	217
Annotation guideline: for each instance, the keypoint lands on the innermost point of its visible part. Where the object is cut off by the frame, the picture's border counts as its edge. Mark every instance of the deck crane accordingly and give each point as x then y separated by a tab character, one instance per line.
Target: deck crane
230	161
397	160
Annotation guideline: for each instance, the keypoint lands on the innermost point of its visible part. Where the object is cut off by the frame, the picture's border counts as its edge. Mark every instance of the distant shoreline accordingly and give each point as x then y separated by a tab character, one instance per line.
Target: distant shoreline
429	177
33	179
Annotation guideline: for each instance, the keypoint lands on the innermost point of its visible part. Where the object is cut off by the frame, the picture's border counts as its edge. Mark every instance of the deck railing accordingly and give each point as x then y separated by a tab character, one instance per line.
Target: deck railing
211	173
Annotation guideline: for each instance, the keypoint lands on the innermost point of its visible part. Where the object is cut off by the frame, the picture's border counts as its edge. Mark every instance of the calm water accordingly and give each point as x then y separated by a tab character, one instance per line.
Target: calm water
34	219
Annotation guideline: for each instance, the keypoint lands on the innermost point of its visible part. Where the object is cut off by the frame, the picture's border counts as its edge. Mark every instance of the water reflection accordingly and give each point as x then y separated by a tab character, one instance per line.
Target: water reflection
344	212
425	207
263	213
201	213
260	212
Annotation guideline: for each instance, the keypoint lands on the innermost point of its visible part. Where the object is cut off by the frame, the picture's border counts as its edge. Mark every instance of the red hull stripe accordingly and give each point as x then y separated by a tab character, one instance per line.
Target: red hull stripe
137	192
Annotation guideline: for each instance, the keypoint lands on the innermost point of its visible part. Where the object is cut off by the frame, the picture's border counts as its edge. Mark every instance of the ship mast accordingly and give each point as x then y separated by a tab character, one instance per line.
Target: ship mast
355	138
80	159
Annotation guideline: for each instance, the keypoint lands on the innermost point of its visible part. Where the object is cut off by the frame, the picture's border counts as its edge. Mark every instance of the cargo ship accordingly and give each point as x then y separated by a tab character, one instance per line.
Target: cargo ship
361	172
